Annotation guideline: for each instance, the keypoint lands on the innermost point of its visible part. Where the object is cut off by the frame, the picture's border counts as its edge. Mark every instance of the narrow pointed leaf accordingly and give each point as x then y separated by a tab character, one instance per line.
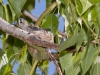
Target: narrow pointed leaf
88	59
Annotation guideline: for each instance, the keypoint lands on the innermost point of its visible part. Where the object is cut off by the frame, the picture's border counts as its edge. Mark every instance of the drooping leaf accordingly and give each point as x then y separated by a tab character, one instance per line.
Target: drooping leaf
24	69
17	6
51	22
88	59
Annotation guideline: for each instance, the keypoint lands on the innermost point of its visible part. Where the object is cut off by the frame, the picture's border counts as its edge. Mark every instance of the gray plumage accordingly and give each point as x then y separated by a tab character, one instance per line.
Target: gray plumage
41	33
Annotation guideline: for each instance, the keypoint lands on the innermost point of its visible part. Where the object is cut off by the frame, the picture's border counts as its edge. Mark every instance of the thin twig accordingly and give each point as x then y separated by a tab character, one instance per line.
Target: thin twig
54	61
33	67
48	10
28	14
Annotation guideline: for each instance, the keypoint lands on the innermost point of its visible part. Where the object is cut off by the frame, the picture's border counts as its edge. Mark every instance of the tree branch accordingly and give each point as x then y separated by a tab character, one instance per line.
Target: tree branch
25	36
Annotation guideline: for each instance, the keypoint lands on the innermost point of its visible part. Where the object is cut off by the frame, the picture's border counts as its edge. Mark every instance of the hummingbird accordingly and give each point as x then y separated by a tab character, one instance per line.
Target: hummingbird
42	34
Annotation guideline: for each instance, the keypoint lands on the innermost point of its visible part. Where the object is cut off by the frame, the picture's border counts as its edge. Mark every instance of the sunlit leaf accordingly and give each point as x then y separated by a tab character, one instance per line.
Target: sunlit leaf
5	69
0	1
86	4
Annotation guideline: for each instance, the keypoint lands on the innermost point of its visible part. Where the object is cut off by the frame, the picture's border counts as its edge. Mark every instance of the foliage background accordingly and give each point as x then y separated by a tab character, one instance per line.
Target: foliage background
82	27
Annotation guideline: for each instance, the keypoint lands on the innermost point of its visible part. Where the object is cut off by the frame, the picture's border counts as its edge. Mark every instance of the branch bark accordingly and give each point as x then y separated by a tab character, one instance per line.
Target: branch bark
25	36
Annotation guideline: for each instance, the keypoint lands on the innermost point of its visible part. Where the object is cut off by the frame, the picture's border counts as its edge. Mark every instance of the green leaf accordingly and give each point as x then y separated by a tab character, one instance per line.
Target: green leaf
86	5
24	69
66	61
17	5
29	5
72	40
23	57
65	2
2	11
38	53
48	2
8	47
94	1
95	70
88	59
13	14
96	53
0	1
5	69
43	65
80	39
8	13
79	7
51	22
1	54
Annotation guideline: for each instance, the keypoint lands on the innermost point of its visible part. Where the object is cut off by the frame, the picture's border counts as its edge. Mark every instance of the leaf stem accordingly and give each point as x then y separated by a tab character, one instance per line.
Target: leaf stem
33	67
51	7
